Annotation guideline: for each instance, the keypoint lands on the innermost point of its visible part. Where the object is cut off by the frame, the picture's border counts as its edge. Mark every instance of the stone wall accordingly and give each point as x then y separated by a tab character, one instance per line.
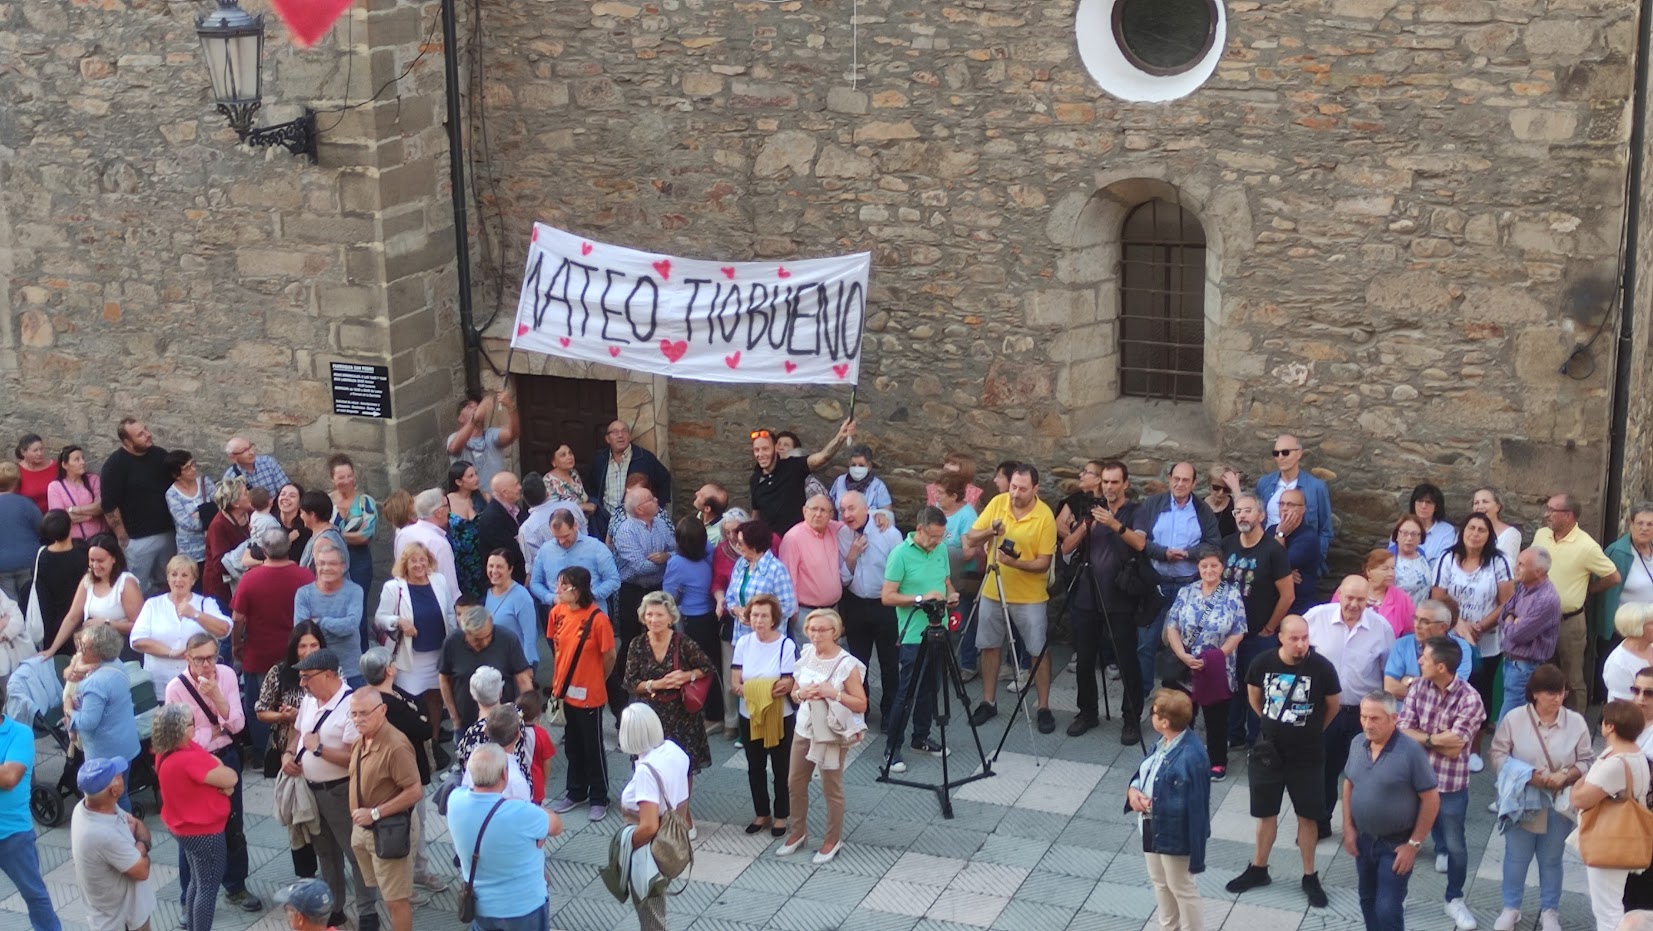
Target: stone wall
150	266
1638	460
1414	210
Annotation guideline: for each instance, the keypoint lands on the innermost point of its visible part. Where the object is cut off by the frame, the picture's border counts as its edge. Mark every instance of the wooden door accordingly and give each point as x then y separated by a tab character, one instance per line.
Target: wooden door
576	411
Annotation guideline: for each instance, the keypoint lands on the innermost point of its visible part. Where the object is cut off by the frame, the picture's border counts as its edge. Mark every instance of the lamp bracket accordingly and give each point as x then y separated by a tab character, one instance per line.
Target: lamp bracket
296	136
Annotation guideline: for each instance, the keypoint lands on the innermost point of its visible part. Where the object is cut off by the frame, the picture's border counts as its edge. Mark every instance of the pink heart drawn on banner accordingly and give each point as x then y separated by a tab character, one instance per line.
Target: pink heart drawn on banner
673	351
522	329
790	366
732	361
563	340
664	267
585	248
536	236
841	369
310	19
782	272
728	272
614	351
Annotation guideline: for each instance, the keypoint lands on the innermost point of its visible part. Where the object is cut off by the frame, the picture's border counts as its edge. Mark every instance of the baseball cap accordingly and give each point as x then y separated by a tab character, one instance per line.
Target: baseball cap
96	775
309	897
323	659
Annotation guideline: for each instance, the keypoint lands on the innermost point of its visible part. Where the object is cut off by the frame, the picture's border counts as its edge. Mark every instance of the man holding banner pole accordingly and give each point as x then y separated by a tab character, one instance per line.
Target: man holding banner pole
777	484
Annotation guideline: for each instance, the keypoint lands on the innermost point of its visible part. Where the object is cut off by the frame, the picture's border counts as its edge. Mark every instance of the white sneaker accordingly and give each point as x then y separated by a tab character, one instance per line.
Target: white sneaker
899	766
1020	682
1460	914
1073	662
1549	920
1507	920
1440	862
1492	806
1476	764
1113	673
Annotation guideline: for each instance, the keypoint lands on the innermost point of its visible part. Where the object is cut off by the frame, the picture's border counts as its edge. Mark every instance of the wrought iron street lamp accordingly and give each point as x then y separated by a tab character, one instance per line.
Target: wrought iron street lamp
233	42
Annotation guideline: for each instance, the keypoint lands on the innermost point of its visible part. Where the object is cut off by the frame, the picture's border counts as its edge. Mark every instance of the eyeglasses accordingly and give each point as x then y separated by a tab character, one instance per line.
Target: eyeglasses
364	715
1550	510
1286	452
1407	535
1641	693
759	435
1091	472
204	660
307	675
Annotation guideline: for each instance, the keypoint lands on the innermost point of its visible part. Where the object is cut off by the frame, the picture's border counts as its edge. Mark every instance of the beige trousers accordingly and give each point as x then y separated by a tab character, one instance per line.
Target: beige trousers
1174	889
832	787
1569	655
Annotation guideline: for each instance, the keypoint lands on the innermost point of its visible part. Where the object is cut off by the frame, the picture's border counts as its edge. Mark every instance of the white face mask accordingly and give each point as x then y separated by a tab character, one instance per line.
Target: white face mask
858	473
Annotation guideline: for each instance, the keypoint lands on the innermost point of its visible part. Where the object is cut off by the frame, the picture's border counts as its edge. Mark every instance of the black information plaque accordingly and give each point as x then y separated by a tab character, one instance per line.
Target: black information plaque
361	390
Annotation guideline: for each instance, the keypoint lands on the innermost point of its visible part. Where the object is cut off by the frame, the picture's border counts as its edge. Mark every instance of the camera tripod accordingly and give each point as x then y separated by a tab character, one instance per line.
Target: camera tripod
936	663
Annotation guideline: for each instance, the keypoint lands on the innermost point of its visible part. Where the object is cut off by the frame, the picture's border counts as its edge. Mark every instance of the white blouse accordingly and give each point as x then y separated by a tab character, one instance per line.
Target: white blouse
159	621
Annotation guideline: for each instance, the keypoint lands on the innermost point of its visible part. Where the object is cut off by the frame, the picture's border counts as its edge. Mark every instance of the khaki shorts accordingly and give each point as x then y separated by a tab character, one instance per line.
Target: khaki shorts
1029	620
393	878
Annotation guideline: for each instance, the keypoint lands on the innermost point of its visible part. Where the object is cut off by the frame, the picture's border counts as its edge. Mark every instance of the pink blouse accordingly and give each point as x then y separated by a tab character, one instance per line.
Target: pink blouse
61	495
234	722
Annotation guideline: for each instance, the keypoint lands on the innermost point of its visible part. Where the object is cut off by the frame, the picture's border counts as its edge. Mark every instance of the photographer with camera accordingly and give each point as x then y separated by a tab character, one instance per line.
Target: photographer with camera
1020	533
1102	614
918	586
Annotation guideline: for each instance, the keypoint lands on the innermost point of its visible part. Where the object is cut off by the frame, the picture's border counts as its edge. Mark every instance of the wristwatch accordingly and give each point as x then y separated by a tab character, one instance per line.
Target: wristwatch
918	600
375	814
1414	844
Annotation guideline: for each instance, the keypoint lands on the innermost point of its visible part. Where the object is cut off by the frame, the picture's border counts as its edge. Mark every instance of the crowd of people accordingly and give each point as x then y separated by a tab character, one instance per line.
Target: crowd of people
246	600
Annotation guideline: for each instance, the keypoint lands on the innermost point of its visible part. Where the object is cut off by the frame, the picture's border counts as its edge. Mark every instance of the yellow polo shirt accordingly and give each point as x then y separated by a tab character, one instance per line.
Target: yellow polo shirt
1034	536
1574	560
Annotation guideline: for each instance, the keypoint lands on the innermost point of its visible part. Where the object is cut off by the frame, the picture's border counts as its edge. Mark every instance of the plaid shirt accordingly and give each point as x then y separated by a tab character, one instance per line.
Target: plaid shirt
1458	709
266	474
749	581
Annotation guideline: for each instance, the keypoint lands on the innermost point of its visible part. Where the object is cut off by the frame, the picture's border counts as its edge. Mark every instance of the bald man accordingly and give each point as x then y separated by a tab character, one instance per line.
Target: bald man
499	521
1356	640
1295	691
1290	474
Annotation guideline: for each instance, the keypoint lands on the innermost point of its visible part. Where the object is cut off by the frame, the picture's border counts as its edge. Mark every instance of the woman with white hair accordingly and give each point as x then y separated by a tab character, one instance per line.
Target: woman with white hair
1634	622
227	531
416	610
195	805
487	684
659	781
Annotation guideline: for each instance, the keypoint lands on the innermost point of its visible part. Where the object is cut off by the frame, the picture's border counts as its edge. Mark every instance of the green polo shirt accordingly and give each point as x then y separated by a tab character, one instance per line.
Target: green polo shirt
916	573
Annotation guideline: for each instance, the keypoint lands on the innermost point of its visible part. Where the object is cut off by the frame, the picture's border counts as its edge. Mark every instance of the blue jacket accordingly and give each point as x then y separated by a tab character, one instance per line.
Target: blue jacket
1182	802
1518	799
105	719
642	461
1319	499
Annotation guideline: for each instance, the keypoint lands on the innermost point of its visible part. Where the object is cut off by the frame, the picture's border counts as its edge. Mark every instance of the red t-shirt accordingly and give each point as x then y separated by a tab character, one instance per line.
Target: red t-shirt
189	806
543	751
33	485
265	596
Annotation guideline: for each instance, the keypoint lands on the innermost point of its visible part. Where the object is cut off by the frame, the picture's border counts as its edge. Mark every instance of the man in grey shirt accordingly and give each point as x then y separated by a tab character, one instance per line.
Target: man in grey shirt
1389	805
111	851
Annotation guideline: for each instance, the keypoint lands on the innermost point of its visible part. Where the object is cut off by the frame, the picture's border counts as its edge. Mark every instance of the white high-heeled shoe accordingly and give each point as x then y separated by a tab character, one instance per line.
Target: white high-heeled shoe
826	857
787	850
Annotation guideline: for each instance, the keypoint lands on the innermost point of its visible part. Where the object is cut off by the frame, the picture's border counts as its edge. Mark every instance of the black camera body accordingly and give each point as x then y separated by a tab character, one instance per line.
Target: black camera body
1086	504
1007	547
935	612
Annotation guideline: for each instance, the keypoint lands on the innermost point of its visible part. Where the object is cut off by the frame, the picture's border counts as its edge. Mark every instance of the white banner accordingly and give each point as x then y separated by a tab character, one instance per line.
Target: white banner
793	322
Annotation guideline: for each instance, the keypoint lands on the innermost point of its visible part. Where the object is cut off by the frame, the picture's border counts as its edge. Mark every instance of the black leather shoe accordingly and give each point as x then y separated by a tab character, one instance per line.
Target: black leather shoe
1081	724
245	900
1130	733
985	711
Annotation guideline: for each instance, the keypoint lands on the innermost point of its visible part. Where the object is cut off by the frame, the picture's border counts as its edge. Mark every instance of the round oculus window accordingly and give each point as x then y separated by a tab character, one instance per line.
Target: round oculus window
1150	50
1165	37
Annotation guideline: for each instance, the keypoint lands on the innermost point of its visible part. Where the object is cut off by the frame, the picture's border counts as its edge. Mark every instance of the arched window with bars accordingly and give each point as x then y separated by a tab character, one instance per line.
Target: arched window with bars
1162	303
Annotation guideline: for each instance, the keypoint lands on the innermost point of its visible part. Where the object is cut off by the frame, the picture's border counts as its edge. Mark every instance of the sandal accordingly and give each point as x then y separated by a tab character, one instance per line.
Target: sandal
758	825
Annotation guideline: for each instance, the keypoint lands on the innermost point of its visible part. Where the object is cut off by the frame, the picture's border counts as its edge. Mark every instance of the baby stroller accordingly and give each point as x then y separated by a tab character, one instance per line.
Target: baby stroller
35	694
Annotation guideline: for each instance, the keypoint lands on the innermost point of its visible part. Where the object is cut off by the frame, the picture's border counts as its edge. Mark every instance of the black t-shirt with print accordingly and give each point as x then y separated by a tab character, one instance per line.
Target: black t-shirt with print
1294	702
1256	571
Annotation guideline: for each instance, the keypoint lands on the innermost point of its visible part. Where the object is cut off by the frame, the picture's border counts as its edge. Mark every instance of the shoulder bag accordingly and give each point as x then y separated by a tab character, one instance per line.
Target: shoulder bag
671	848
34	621
401	648
467	889
392	834
558	716
1617	833
1171	670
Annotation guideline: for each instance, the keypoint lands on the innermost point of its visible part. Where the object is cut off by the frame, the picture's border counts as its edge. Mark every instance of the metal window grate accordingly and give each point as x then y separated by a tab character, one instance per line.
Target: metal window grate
1162	303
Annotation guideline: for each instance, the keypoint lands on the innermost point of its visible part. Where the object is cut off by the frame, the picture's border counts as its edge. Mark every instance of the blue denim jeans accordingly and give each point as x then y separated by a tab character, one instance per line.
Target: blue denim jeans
1243	723
21	864
257	731
537	920
1149	639
924	702
1520	845
1448	836
1382	891
1516	674
361	572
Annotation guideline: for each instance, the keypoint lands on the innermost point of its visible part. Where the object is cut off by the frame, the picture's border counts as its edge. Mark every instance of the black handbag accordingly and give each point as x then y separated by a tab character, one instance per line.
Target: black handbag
393	836
1147	833
1134	576
467	889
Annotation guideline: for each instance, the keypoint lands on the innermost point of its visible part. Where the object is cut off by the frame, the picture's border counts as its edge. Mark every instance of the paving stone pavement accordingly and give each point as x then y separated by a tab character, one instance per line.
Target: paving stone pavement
1041	845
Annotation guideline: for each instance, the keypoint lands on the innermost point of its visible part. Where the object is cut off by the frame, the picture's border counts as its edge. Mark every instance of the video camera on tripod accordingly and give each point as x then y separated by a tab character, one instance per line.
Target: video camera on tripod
939	614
